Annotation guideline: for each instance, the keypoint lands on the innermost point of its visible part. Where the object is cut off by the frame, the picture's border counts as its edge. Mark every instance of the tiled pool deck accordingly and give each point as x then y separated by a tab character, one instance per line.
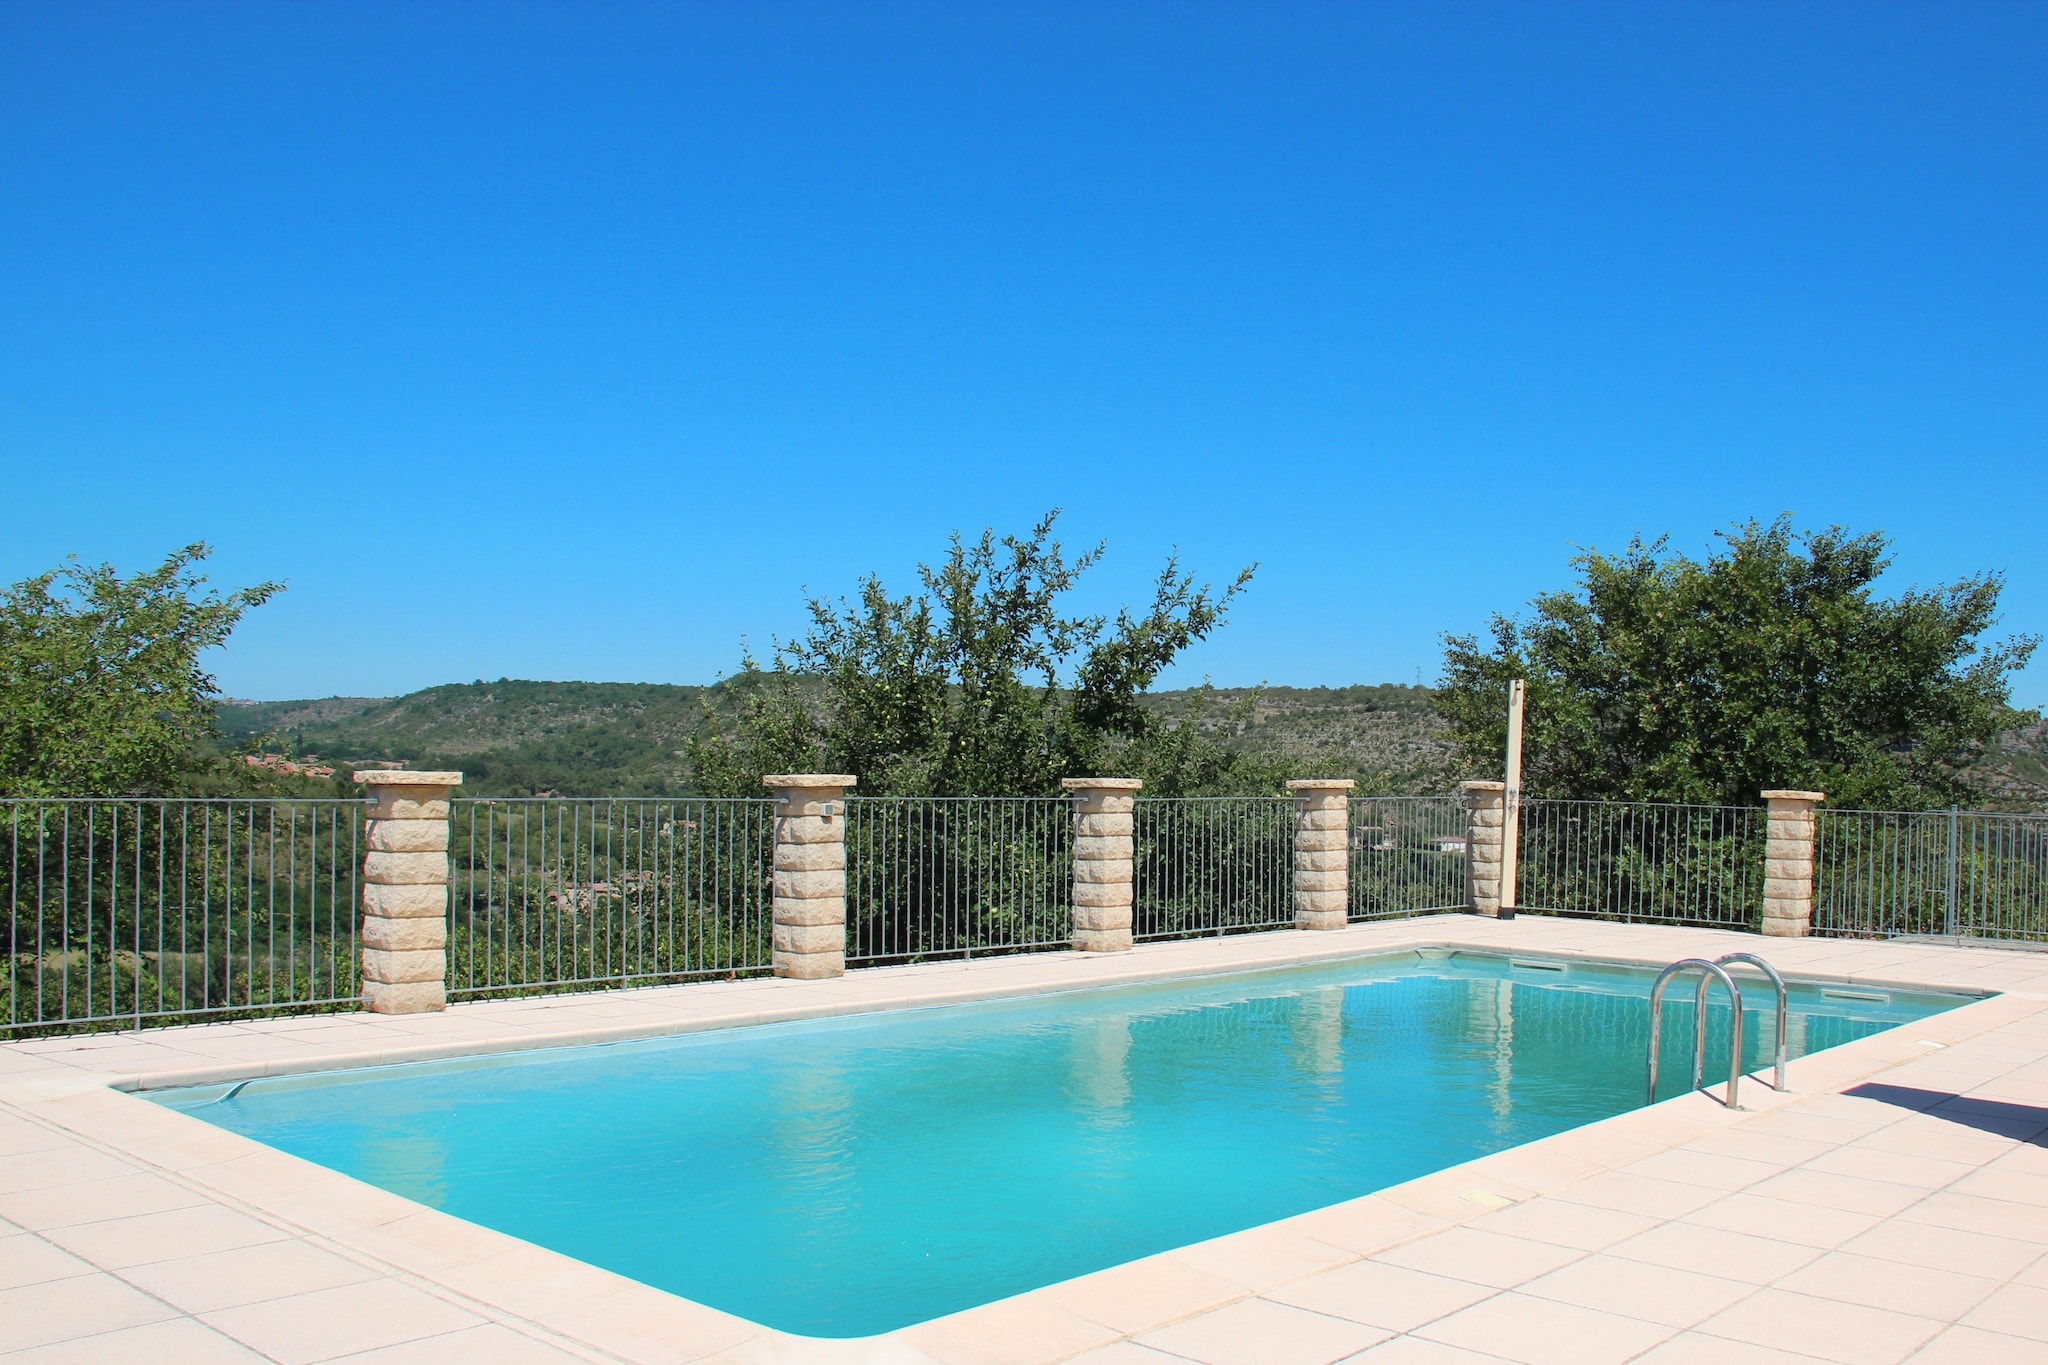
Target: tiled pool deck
1893	1206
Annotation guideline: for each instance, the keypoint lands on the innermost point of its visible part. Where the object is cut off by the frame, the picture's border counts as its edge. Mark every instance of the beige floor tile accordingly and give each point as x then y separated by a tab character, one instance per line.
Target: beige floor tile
244	1275
1845	1332
336	1322
491	1344
1125	1353
1999	1181
1143	1294
1797	1124
532	1282
2017	1310
1536	1331
257	1175
1747	1144
1783	1220
1486	1258
117	1243
1018	1331
1381	1295
1637	1289
83	1305
19	1137
1697	1348
1263	1257
1973	1346
2028	1158
1848	1193
1716	1251
1363	1226
427	1242
1940	1140
1918	1290
68	1165
1972	1213
1260	1332
1705	1169
1639	1194
1565	1224
179	1341
27	1259
1417	1351
90	1201
335	1206
1896	1168
1965	1253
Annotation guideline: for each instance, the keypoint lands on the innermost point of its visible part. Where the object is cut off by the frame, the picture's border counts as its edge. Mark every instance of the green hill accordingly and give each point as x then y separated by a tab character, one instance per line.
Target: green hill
510	737
626	739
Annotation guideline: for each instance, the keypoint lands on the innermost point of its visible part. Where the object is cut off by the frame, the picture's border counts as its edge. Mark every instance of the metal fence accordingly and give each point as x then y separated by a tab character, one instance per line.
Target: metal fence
1960	874
1407	856
1212	865
160	910
131	912
1669	864
560	893
931	877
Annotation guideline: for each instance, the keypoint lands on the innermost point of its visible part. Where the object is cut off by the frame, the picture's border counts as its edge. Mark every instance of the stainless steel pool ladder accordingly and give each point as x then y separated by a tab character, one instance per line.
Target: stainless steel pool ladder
1777	983
1708	971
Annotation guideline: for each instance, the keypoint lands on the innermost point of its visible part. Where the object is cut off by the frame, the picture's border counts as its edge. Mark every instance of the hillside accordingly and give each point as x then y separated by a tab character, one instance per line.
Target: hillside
625	739
510	737
580	739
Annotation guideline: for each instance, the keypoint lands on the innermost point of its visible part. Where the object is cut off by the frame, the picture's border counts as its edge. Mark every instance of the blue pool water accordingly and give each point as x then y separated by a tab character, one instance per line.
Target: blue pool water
849	1176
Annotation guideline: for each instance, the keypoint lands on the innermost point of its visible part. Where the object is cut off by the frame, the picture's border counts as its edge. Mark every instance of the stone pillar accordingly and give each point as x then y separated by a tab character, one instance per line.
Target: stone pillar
405	891
1104	861
1788	863
1486	809
810	874
1322	852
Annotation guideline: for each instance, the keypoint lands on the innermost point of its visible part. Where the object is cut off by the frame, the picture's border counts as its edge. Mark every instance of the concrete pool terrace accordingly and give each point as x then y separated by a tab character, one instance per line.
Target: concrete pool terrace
1894	1205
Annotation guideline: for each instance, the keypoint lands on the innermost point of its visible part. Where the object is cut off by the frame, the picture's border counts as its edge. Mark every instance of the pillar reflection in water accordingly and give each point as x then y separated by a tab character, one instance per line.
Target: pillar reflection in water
1490	1022
1315	1033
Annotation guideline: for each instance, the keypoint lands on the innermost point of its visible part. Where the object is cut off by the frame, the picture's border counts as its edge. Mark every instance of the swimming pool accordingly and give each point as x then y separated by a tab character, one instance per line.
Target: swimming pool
848	1176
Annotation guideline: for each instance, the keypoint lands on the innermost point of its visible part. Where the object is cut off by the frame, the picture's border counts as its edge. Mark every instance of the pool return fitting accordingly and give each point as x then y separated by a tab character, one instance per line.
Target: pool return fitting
1709	972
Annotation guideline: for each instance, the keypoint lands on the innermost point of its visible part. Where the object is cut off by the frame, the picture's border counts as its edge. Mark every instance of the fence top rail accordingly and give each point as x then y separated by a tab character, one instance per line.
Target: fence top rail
19	802
1287	798
1529	801
1404	796
1936	813
960	800
613	800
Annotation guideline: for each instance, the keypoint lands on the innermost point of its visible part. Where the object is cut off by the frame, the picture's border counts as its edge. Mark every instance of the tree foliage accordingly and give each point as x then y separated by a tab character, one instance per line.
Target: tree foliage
979	682
1772	662
101	692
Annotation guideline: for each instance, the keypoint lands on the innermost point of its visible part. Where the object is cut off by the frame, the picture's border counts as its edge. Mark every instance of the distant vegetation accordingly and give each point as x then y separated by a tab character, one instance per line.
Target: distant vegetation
607	739
627	739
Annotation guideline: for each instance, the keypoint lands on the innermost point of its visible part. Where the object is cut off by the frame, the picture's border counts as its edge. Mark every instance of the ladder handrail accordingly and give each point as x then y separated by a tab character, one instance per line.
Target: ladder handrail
1752	960
1699	1050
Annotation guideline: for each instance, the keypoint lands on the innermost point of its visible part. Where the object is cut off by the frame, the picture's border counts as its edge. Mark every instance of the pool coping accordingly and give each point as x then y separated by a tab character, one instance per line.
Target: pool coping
64	1084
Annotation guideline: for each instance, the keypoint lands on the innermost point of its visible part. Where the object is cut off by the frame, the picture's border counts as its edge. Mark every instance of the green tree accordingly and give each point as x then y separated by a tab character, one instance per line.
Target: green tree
101	692
980	682
1770	663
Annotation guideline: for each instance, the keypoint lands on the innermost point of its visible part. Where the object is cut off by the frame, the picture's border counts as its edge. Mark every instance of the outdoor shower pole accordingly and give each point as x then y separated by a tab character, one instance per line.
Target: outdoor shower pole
1511	814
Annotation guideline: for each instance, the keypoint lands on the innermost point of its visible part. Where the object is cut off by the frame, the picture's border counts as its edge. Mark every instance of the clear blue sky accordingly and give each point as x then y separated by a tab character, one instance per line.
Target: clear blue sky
575	341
